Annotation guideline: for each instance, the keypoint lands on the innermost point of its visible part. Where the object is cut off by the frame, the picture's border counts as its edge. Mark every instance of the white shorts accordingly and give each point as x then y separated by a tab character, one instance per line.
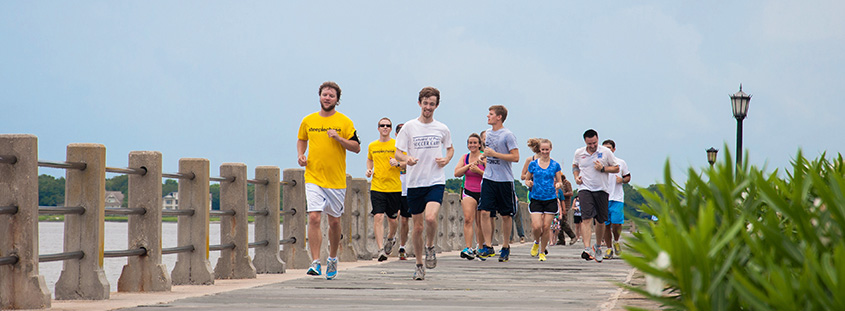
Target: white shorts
326	200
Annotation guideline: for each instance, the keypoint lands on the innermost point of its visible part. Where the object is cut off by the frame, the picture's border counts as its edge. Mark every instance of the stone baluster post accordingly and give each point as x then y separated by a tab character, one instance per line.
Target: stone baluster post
456	225
145	273
361	229
234	263
193	267
84	278
21	287
356	194
267	258
295	255
497	230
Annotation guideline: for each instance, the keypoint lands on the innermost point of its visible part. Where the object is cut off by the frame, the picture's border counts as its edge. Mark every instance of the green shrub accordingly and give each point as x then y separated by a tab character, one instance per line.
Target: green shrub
746	240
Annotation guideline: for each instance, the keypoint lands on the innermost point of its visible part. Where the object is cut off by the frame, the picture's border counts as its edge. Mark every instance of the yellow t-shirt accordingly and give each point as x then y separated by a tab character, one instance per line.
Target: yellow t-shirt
326	157
385	177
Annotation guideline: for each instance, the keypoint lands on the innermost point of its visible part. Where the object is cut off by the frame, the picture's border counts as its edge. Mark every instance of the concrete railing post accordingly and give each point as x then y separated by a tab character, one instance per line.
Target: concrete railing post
456	225
267	258
295	255
21	287
441	238
84	278
193	267
356	191
361	228
145	273
526	221
497	230
234	263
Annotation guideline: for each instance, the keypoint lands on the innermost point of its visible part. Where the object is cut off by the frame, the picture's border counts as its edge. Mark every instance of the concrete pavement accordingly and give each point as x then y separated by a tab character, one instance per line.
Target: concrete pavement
564	282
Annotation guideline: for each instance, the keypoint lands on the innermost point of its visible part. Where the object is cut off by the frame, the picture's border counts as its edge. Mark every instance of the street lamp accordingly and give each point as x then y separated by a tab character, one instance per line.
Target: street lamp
739	100
711	155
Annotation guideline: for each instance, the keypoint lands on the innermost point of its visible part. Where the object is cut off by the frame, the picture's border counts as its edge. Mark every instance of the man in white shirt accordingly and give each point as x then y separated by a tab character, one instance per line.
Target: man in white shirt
420	145
591	165
616	205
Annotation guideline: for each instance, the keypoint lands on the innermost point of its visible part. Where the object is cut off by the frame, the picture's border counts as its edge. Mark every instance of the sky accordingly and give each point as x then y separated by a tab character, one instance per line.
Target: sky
231	81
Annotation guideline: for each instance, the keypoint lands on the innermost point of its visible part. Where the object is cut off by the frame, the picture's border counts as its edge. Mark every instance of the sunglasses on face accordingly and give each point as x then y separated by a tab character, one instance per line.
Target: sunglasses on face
385	125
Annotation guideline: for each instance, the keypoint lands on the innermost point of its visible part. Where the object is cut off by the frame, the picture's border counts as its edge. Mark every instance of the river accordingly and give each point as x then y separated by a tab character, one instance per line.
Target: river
51	239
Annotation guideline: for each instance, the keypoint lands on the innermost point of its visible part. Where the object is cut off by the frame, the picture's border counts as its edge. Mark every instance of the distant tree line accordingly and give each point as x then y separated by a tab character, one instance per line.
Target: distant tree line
51	190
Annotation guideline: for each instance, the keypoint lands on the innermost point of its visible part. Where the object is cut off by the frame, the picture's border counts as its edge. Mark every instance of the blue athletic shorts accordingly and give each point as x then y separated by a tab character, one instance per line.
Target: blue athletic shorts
616	213
419	197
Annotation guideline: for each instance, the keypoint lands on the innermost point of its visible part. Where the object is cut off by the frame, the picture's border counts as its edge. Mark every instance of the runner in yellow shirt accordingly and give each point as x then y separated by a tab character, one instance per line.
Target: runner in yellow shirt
329	134
386	188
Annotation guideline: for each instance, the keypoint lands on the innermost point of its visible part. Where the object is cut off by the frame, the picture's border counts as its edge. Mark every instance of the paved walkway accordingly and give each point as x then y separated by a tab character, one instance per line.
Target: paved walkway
564	282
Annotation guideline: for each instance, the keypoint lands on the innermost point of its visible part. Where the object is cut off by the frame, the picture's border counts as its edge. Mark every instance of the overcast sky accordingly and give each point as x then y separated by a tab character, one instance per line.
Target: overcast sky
231	81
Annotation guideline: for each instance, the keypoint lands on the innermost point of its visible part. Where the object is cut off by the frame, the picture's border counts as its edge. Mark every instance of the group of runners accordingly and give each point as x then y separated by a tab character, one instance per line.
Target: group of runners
408	182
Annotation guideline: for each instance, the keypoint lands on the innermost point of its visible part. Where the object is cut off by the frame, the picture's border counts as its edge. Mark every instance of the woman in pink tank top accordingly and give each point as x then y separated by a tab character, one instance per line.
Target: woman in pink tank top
472	169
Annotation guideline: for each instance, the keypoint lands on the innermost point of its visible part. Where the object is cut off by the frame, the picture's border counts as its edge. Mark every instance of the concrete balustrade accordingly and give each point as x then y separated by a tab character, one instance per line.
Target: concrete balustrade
234	263
295	255
145	273
85	278
21	286
193	267
267	258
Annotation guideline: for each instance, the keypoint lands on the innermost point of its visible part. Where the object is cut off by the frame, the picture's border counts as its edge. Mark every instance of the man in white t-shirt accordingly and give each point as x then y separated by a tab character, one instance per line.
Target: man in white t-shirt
420	145
590	165
616	205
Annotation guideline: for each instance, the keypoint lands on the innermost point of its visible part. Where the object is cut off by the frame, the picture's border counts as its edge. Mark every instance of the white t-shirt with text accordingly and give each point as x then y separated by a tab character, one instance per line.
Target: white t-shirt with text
424	141
616	193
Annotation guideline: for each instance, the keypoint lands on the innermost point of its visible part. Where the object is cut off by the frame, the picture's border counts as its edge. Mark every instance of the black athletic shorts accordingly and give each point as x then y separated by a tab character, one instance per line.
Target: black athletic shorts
543	206
387	203
576	219
474	195
593	205
403	207
498	197
419	197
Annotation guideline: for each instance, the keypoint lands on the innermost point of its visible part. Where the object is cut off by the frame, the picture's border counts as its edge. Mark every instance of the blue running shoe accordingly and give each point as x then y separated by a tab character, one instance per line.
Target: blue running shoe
331	268
467	253
504	254
482	253
315	268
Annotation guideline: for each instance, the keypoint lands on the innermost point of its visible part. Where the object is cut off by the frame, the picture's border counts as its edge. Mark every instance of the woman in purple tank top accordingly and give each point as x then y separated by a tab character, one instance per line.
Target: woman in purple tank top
471	168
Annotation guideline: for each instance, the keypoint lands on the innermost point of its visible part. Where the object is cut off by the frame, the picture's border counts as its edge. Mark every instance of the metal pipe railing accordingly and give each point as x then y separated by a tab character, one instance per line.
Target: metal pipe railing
177	212
125	253
178	249
130	171
8	159
61	256
8	260
126	211
61	210
10	210
65	165
292	240
220	247
259	244
253	213
189	176
222	213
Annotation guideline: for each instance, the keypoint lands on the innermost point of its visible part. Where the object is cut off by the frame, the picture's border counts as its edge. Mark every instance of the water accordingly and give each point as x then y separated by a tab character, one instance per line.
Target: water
51	238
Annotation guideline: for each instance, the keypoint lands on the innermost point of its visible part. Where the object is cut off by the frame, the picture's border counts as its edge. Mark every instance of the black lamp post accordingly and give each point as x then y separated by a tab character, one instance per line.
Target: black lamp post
739	100
711	155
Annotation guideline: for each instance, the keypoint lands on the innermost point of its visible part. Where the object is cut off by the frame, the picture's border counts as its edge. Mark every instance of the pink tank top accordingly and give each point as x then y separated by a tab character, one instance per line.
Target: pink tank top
472	181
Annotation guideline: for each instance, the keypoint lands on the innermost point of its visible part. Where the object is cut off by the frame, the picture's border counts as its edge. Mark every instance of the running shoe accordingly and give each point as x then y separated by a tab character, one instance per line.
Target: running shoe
331	268
535	249
430	258
617	249
597	254
482	253
388	245
504	254
490	252
542	257
381	255
586	254
608	253
402	254
419	273
315	268
467	253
